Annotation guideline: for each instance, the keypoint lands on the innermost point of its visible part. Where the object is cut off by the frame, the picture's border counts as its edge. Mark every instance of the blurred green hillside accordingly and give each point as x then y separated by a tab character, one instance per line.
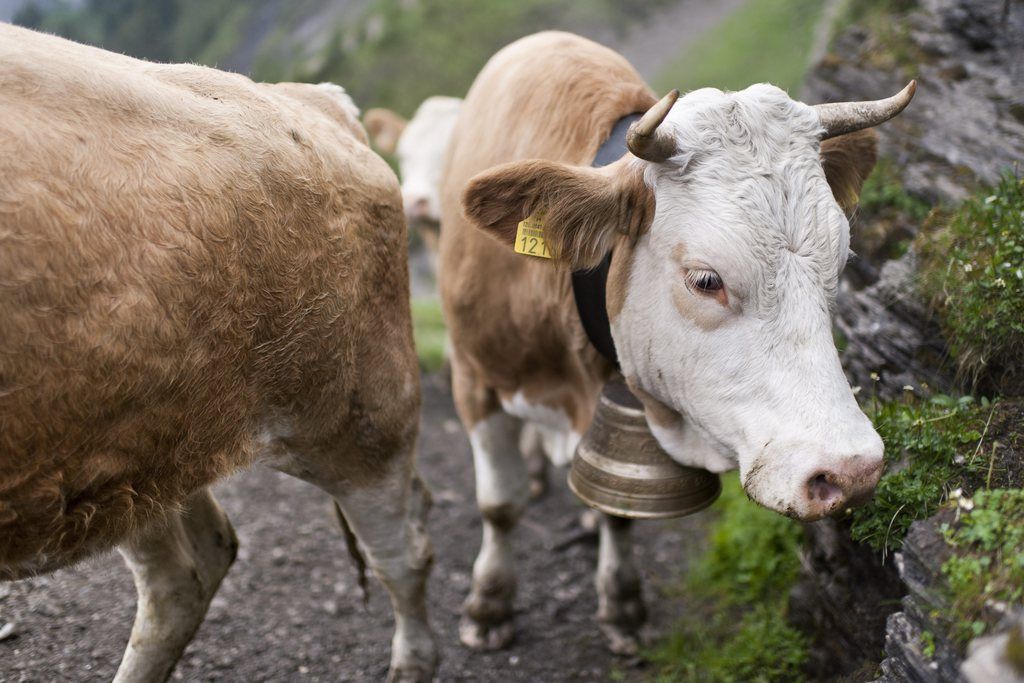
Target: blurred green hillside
391	53
203	31
395	53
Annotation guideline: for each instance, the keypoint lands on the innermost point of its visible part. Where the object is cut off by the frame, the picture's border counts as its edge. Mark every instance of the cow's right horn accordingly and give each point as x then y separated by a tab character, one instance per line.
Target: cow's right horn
839	118
644	139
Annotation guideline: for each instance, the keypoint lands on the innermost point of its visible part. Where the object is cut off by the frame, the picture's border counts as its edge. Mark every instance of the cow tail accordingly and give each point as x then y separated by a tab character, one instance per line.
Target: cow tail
352	544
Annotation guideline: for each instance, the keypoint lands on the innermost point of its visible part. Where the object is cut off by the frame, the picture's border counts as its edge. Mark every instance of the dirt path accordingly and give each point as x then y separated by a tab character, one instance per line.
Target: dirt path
290	608
664	34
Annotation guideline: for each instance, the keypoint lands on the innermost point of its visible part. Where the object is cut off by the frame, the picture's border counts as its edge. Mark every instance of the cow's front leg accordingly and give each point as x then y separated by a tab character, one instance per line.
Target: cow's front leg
177	565
620	610
502	492
531	443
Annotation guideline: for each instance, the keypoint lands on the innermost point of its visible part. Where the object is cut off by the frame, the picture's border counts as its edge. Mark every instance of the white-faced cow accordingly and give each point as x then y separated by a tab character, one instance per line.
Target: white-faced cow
197	273
726	234
420	145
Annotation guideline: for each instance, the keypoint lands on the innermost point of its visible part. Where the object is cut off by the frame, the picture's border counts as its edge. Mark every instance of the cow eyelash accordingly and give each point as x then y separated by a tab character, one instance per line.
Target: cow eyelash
704	281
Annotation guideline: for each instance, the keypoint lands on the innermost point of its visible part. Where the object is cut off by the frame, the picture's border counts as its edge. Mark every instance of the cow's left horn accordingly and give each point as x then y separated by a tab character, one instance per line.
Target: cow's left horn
840	118
644	139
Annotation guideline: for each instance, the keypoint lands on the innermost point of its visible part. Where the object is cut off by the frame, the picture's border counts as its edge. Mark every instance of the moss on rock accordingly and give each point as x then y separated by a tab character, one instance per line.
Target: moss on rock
972	270
988	565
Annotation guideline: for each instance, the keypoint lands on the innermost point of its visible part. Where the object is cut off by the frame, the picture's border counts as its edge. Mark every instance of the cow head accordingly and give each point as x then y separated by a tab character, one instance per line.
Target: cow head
420	145
729	235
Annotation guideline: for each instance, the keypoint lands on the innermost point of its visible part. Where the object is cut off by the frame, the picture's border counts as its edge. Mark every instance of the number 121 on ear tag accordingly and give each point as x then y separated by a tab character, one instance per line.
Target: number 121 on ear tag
530	237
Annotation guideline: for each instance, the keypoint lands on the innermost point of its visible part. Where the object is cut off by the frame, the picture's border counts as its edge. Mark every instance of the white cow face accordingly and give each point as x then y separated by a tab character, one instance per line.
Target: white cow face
728	251
420	145
421	156
727	313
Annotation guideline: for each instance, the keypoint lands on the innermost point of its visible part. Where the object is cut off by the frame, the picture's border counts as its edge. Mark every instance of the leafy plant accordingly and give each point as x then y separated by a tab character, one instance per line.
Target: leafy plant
989	561
931	447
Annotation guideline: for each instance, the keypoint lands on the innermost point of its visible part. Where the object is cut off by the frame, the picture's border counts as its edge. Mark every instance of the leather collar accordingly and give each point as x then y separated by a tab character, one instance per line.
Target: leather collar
589	287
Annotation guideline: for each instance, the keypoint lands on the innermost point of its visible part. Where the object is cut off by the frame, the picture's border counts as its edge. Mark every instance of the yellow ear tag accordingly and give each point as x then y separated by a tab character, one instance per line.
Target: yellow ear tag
530	237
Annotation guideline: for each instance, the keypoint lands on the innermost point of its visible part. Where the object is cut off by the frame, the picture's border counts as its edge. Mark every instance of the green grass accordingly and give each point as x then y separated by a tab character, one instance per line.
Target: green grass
429	332
763	41
972	270
931	447
737	594
989	561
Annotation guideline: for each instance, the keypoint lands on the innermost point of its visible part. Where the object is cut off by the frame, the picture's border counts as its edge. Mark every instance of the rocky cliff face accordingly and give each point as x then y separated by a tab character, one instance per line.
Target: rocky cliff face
966	124
964	128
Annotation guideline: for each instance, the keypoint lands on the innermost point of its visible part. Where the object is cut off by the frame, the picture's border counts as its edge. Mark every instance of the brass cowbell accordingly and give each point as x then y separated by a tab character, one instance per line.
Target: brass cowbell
619	467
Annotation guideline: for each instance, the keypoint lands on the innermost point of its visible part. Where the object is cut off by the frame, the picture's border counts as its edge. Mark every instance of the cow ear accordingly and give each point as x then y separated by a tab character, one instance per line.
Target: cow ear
384	127
583	209
848	161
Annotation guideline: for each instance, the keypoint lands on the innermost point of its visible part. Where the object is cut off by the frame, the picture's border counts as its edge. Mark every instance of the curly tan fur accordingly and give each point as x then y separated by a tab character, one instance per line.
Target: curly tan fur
185	257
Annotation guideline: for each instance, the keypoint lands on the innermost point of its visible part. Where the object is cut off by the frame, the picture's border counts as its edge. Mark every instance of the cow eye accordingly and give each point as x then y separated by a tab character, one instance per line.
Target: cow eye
704	281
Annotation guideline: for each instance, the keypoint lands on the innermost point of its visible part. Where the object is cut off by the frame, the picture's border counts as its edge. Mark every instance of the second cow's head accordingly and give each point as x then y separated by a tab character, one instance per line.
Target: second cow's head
729	233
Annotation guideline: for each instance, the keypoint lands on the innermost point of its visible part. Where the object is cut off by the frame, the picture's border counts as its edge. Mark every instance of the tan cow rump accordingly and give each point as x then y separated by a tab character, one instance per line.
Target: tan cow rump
184	255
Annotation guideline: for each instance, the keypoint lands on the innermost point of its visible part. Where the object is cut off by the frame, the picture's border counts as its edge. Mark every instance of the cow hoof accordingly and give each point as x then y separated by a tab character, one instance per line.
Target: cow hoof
621	641
410	674
479	636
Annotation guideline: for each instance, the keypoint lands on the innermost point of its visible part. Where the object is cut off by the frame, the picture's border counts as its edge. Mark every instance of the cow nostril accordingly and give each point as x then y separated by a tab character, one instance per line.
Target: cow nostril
822	488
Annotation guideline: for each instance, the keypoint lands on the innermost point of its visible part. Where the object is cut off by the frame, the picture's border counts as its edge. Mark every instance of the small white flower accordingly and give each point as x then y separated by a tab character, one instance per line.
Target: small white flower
907	387
968	267
999	282
874	377
962	501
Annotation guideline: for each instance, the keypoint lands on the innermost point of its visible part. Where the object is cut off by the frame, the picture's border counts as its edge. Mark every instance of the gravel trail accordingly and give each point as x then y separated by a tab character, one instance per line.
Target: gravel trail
290	609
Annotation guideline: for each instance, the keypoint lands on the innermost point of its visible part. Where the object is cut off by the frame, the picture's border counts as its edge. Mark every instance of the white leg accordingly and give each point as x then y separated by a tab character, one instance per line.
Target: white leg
388	517
177	565
620	610
531	445
502	492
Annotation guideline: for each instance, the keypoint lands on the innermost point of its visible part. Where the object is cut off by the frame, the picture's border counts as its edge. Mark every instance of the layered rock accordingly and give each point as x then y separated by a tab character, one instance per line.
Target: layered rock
964	128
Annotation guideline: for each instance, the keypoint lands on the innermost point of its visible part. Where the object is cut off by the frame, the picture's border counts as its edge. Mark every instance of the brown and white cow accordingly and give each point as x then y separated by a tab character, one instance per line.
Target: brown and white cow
421	144
727	235
197	273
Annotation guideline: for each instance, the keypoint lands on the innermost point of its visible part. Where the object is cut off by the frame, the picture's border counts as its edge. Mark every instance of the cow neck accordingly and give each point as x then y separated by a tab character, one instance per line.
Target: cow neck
589	287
